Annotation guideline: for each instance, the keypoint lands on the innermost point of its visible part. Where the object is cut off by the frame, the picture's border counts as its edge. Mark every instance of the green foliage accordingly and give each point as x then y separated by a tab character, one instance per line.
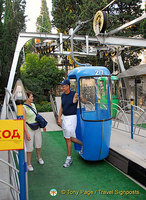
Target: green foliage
40	75
143	28
1	33
44	106
29	46
66	13
122	12
12	21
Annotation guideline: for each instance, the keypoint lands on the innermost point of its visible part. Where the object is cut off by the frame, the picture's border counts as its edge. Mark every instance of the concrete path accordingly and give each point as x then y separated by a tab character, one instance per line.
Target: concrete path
52	125
133	149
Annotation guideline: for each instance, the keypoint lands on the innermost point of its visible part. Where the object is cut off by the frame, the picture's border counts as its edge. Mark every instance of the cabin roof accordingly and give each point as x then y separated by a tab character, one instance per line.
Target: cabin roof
88	71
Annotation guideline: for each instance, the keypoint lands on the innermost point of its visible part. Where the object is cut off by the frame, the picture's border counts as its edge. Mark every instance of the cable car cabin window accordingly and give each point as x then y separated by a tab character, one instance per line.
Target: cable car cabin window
101	87
115	88
73	85
94	98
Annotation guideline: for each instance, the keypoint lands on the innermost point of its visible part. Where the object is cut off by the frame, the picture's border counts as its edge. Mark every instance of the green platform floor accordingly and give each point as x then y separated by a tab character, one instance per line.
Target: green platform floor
82	181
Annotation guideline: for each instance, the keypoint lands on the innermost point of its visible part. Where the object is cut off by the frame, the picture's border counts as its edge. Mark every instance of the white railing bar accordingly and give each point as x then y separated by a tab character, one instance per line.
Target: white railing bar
139	127
13	182
9	165
124	123
4	182
16	151
16	174
123	114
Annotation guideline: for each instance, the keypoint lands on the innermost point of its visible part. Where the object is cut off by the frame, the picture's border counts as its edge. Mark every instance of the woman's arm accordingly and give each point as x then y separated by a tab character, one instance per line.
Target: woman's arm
25	128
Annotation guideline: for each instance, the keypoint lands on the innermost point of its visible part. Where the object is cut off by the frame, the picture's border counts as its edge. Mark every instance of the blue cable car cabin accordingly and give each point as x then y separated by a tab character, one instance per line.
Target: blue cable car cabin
94	118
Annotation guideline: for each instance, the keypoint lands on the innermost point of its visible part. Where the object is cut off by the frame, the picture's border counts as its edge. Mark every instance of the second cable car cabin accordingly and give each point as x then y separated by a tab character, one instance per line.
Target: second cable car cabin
94	118
103	87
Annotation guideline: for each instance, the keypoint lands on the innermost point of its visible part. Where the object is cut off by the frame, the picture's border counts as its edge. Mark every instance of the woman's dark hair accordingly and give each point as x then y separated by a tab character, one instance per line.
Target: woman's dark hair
28	93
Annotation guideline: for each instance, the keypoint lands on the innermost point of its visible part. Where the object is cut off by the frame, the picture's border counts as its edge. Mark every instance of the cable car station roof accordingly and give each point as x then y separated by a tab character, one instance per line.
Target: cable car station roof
134	71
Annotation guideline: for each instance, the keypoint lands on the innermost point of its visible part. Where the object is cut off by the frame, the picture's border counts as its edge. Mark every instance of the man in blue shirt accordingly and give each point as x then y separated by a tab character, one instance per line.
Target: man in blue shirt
68	119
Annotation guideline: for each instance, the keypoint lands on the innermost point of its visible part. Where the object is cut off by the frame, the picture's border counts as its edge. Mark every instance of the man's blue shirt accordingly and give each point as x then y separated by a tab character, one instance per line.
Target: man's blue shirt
69	108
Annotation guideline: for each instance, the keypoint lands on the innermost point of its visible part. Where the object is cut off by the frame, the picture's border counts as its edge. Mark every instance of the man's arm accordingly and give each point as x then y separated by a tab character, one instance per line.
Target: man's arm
59	116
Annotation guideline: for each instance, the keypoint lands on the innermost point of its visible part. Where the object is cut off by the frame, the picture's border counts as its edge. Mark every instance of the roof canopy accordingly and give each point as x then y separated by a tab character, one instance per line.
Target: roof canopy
134	71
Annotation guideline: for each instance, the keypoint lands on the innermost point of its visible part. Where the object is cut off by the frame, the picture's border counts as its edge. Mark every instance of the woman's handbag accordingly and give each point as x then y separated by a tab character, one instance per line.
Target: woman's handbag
41	121
33	126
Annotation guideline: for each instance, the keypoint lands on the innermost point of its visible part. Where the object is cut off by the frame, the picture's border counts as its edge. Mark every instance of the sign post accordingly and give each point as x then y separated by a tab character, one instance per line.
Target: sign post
19	98
132	116
11	135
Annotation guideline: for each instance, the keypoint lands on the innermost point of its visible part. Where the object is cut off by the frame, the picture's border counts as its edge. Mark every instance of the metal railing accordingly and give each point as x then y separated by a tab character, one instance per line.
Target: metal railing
122	121
13	160
54	107
139	122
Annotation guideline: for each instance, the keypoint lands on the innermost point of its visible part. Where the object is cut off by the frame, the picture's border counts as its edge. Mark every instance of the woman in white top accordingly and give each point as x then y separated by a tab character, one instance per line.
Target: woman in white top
31	136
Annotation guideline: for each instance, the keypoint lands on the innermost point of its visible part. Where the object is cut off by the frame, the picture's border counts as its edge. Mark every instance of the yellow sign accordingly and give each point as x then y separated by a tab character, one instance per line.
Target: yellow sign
11	135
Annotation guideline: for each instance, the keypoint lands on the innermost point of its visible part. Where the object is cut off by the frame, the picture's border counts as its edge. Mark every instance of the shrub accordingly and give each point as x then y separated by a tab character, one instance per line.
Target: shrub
44	106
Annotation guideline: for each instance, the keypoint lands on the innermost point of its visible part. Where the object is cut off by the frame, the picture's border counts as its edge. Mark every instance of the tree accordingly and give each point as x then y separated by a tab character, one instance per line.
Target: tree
1	33
65	14
143	26
43	21
13	22
41	74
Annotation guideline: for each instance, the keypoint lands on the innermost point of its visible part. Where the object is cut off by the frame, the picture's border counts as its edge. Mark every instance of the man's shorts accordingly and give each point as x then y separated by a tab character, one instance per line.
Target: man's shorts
36	139
69	124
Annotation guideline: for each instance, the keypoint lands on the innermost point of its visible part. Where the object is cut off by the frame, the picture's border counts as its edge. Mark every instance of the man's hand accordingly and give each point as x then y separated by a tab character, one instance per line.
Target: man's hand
83	100
59	121
75	99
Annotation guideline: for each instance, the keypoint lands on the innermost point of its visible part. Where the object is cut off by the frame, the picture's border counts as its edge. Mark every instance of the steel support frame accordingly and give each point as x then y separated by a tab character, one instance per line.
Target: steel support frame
102	39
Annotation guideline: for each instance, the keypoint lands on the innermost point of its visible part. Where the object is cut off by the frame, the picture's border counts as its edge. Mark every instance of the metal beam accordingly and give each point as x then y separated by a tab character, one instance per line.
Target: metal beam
121	41
135	21
103	39
49	36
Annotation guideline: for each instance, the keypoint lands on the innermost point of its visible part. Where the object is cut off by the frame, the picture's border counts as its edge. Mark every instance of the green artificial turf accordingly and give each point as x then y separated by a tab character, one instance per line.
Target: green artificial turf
142	126
83	180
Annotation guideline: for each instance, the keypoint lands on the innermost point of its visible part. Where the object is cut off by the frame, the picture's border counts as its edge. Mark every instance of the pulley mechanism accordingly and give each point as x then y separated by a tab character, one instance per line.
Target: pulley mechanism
100	22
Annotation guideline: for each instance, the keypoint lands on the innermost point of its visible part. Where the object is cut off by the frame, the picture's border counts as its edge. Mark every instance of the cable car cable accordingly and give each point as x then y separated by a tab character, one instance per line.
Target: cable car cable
108	5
